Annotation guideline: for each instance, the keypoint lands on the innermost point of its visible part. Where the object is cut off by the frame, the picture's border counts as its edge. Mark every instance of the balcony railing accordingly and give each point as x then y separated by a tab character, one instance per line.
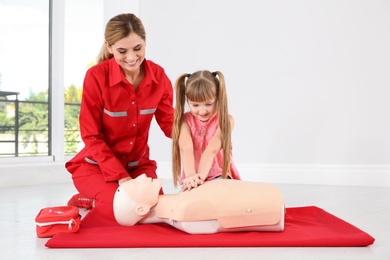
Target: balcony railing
24	127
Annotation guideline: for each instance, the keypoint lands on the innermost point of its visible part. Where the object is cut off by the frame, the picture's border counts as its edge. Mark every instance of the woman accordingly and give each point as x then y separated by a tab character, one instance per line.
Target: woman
121	94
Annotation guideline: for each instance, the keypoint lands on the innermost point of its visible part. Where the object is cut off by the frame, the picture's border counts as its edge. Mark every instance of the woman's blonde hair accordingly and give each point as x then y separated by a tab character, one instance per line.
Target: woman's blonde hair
201	86
117	28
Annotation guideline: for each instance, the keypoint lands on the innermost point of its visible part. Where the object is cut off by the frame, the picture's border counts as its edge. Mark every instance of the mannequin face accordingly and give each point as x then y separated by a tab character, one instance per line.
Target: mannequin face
134	199
143	190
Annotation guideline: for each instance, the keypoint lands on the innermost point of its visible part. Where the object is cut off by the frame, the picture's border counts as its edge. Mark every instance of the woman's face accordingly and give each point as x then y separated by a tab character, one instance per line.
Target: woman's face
129	52
203	110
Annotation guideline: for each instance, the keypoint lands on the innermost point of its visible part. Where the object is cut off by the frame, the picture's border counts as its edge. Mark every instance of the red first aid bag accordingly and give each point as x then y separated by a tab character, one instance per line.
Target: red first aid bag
53	220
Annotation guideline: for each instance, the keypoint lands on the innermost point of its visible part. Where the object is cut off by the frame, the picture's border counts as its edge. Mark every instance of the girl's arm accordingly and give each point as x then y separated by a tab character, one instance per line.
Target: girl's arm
207	158
192	180
187	150
211	151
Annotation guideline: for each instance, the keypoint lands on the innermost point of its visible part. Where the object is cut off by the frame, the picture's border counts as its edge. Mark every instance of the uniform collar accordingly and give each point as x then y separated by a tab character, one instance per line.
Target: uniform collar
117	76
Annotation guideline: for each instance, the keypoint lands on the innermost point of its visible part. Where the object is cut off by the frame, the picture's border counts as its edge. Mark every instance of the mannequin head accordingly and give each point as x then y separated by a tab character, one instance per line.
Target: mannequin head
134	199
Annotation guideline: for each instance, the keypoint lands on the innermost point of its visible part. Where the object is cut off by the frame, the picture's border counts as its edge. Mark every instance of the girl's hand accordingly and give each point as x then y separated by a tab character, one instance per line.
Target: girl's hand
192	182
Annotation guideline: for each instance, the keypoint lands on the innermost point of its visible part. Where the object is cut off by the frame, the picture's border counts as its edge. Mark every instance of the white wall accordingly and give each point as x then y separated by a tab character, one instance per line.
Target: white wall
114	7
308	81
308	84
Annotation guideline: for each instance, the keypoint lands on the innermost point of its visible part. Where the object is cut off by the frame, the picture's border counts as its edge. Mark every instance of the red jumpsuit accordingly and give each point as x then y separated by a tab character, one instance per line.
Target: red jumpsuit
114	124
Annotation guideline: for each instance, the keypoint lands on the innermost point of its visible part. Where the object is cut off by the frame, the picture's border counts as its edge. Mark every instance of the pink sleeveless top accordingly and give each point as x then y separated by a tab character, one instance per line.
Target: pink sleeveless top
201	133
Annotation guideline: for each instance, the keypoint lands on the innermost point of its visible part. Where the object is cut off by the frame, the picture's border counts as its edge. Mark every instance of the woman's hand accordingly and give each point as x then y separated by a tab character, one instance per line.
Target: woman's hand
192	182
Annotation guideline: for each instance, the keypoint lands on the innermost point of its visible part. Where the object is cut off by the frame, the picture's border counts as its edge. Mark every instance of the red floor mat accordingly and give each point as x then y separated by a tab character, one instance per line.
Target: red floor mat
304	227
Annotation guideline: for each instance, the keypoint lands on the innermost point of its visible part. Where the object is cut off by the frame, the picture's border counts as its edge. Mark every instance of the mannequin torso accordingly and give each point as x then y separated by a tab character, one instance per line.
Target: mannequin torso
219	206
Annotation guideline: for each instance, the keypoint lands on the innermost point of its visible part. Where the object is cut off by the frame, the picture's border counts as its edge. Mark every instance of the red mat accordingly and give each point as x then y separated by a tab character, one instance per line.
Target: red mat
304	227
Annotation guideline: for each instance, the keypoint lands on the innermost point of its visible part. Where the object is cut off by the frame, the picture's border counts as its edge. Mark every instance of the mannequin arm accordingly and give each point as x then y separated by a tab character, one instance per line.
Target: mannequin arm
213	226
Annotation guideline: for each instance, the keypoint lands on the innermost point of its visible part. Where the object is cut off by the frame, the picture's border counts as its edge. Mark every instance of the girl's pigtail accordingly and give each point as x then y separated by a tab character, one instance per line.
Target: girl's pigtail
224	123
178	118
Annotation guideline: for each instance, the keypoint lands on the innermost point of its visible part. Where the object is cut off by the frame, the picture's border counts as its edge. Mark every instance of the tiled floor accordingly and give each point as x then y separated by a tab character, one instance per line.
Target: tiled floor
368	208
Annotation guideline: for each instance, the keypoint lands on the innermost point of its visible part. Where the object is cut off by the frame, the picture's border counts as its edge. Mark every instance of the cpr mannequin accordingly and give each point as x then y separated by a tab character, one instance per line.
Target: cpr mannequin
216	206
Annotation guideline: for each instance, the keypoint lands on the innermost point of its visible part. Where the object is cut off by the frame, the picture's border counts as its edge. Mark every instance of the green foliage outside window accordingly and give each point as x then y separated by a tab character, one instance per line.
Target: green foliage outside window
72	110
33	124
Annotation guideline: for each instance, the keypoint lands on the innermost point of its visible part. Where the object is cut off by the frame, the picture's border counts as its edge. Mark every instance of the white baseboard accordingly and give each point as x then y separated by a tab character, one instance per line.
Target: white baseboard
347	175
38	173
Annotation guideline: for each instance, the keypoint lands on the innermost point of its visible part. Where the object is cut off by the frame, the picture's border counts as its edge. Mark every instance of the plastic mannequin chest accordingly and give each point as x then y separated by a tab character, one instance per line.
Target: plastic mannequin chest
233	203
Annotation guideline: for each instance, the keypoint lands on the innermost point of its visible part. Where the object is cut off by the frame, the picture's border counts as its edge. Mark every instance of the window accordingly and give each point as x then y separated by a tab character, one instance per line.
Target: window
25	123
24	84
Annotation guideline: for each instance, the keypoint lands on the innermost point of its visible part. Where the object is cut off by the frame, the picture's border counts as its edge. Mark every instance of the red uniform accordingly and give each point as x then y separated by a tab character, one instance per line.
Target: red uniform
114	124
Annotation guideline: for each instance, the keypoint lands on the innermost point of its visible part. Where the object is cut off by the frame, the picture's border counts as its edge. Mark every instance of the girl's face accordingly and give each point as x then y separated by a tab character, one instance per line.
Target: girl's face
129	52
203	110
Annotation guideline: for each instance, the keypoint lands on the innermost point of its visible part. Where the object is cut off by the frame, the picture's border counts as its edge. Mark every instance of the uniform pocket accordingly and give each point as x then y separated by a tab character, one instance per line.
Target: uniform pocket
115	123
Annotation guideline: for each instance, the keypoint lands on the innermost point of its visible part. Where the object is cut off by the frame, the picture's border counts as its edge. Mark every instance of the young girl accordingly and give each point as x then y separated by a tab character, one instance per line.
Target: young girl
201	148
